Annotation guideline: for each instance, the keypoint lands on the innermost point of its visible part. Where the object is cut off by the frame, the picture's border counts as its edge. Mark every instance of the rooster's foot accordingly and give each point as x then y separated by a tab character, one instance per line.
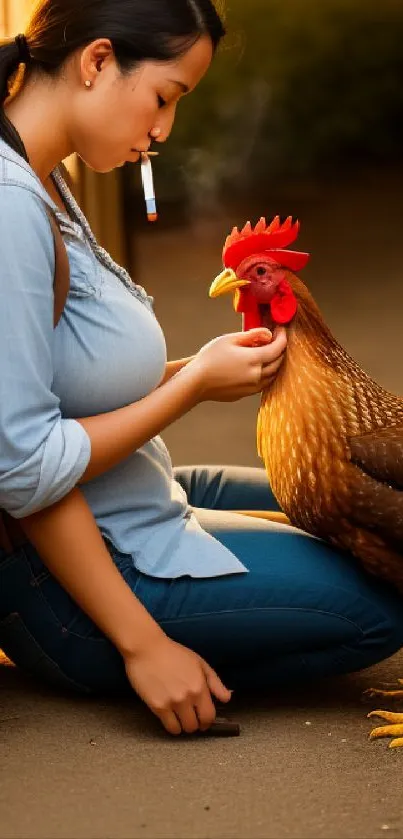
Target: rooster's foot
394	730
269	515
388	694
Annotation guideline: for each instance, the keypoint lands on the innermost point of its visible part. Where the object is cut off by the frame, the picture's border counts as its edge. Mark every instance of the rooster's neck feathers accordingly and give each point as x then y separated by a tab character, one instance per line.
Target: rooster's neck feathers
321	363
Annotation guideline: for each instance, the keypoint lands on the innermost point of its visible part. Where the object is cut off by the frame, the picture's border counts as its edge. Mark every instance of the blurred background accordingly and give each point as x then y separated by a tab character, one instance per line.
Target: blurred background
301	114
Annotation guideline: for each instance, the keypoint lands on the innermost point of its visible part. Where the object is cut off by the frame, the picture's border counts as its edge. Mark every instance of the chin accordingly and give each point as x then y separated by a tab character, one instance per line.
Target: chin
105	170
101	167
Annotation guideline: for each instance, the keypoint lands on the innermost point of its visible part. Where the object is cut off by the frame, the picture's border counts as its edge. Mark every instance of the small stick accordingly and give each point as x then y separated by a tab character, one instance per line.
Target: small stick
222	728
148	186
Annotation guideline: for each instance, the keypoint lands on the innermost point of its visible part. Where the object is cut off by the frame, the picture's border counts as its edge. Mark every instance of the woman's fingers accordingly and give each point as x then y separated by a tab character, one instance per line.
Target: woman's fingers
187	716
214	683
199	712
266	383
274	366
170	722
175	683
271	352
206	711
191	715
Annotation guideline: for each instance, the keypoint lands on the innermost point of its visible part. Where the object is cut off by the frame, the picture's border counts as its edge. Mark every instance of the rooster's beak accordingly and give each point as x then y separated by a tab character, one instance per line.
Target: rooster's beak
225	282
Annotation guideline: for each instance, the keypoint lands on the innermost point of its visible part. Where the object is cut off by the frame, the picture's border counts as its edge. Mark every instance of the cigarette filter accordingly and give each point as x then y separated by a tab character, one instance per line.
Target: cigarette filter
148	186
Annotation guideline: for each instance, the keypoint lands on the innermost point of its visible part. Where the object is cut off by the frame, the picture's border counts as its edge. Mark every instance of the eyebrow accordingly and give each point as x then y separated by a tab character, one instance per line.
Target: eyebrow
184	87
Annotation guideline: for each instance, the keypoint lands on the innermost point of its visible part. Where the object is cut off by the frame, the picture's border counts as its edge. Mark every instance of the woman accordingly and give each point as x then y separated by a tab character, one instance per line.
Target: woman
133	572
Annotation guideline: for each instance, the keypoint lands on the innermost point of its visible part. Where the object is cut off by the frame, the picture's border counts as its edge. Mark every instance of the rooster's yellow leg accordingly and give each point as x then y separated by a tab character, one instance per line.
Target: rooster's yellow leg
388	694
278	518
395	729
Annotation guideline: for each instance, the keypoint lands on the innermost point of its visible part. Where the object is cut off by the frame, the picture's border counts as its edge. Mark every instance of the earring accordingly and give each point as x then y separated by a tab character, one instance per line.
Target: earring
88	83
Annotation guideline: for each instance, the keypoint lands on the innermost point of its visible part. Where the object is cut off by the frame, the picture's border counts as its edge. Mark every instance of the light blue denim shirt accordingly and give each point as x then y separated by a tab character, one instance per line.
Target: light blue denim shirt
108	351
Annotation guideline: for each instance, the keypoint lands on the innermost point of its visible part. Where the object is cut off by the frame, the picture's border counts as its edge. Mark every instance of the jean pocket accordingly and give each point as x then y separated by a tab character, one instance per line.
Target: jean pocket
22	648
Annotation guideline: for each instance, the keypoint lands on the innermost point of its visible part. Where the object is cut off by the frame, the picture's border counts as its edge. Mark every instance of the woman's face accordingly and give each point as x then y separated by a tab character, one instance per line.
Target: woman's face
116	118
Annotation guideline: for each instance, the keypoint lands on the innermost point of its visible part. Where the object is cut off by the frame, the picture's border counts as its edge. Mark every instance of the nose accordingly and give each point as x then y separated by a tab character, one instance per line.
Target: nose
162	130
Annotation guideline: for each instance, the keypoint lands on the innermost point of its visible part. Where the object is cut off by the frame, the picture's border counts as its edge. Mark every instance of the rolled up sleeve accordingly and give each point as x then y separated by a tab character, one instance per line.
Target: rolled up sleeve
42	455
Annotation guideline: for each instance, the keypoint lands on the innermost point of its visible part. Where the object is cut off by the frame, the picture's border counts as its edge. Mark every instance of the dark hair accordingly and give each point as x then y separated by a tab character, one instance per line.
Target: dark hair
139	30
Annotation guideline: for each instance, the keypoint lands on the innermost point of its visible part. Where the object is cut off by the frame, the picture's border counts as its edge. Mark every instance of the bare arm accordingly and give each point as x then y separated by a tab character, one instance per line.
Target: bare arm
82	563
174	367
175	683
83	566
116	435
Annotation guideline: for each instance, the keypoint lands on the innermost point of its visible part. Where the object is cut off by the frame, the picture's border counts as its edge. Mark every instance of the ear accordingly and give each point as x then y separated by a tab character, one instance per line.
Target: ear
94	58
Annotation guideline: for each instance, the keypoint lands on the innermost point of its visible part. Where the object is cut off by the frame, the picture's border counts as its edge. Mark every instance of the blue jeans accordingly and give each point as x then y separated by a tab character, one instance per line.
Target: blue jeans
304	611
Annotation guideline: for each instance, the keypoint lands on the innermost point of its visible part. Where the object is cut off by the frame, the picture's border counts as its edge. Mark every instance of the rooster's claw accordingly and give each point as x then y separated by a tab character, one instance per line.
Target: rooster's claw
395	729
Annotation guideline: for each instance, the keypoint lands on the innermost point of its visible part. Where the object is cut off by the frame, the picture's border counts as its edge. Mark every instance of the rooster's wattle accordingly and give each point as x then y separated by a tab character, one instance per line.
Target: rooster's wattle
330	437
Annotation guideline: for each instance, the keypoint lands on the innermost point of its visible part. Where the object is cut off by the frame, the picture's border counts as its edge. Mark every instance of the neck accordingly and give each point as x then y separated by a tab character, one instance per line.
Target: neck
310	325
320	381
312	345
37	112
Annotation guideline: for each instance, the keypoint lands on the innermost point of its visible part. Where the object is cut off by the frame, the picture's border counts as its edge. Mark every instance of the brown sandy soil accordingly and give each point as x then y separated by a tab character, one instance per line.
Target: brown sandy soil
104	770
96	769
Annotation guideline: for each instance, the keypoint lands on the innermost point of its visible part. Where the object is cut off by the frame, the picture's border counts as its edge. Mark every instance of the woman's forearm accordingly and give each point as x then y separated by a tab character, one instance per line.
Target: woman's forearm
116	435
66	534
174	367
70	544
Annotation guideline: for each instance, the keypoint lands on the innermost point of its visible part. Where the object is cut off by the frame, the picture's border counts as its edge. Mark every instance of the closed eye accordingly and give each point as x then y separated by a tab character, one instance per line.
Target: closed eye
161	102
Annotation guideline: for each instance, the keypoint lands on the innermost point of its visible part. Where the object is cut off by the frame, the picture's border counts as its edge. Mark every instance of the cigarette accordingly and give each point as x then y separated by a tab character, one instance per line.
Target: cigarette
148	186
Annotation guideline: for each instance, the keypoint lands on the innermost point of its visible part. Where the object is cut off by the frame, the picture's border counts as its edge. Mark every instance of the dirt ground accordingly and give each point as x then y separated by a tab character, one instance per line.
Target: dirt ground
303	767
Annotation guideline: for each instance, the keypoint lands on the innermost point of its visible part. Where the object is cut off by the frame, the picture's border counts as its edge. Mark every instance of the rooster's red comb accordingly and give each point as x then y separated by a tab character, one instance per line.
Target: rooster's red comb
272	238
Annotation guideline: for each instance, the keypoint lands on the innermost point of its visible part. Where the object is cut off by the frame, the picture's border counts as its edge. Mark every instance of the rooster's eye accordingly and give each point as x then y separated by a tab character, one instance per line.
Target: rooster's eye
261	271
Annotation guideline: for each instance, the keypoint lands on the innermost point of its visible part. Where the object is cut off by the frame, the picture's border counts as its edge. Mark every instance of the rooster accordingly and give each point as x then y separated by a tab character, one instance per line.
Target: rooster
330	437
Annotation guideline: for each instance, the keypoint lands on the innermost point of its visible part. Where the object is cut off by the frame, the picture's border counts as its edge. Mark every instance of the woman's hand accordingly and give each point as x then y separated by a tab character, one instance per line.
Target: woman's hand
234	366
176	684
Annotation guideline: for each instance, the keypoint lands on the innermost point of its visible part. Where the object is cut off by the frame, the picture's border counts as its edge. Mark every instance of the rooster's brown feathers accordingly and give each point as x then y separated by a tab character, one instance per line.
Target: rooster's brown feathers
332	442
330	437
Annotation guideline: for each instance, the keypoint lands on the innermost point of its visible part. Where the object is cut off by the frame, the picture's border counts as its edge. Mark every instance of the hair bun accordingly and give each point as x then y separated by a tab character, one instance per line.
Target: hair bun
23	49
